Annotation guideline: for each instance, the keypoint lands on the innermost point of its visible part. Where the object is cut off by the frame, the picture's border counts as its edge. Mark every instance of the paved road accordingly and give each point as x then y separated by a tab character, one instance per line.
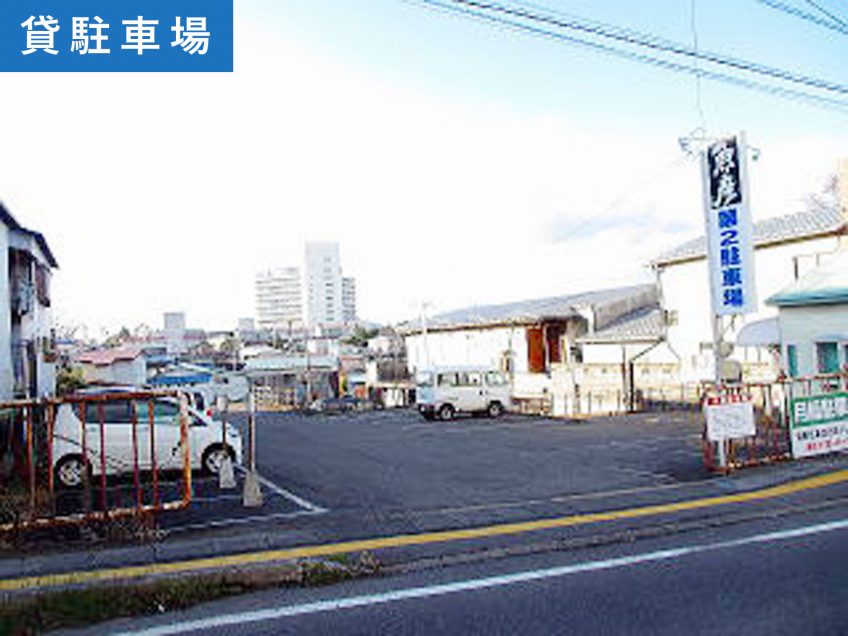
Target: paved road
782	576
394	471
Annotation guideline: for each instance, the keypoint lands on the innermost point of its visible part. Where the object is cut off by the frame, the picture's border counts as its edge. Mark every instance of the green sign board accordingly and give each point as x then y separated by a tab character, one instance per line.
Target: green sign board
819	424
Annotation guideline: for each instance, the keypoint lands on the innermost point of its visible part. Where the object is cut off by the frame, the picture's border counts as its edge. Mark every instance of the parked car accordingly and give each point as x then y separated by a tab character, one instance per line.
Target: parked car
341	404
443	392
206	446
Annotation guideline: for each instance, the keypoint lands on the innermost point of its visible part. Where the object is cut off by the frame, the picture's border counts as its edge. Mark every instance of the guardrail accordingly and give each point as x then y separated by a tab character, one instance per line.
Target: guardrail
96	457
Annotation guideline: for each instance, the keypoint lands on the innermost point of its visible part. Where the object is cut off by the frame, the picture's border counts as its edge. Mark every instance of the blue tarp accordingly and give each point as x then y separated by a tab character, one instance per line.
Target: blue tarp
173	380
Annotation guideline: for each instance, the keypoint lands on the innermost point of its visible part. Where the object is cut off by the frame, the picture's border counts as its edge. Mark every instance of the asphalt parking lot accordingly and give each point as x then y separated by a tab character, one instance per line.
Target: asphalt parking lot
364	474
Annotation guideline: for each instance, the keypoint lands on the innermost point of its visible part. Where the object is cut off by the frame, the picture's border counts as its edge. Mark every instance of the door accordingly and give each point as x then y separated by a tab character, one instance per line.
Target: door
471	391
166	432
108	432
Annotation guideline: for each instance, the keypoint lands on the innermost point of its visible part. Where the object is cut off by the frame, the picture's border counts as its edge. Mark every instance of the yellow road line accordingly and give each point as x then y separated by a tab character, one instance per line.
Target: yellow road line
405	540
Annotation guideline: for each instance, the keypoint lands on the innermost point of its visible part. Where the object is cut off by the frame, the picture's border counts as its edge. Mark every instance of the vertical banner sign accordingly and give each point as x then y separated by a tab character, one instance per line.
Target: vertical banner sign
730	245
82	36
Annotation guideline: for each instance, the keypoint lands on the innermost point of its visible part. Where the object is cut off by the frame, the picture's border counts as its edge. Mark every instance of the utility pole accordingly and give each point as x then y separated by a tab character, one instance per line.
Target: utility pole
718	361
424	306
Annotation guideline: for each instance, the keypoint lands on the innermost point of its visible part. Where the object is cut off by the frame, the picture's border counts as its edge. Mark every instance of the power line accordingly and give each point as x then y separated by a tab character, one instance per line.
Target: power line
803	15
693	26
549	19
830	15
625	196
772	89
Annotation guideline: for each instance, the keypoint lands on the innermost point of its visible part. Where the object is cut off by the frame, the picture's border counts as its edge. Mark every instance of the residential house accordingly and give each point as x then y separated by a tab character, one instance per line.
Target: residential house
120	365
283	381
27	350
813	320
556	350
387	378
784	249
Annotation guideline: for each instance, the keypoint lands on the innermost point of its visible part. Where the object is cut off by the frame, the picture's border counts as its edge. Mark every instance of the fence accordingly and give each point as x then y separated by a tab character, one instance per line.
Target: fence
771	406
93	457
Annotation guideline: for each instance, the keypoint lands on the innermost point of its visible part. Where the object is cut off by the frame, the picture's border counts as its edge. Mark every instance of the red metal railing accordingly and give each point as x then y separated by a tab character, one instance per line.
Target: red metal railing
771	404
44	434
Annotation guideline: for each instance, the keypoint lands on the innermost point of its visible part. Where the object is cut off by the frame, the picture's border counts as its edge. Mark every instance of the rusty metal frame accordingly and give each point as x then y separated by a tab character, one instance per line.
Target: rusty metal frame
78	403
774	433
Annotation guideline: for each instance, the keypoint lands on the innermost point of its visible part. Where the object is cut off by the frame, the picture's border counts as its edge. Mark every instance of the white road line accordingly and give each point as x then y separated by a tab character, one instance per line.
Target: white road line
331	605
300	501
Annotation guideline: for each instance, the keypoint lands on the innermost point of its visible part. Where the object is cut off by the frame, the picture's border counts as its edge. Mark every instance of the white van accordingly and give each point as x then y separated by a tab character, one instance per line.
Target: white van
445	391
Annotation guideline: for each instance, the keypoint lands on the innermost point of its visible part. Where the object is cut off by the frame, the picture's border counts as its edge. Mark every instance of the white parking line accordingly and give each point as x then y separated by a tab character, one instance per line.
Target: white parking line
469	585
307	508
282	492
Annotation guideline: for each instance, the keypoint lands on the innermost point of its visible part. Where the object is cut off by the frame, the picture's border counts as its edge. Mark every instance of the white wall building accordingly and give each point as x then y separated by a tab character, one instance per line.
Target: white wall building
27	350
174	332
813	320
322	276
314	296
348	299
279	298
785	248
557	350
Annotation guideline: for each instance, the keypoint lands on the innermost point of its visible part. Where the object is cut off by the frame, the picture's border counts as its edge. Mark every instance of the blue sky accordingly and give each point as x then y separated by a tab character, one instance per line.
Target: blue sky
455	163
450	55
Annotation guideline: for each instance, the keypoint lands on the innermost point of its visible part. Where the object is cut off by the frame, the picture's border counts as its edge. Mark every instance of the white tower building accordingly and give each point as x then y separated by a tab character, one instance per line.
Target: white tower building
279	303
322	275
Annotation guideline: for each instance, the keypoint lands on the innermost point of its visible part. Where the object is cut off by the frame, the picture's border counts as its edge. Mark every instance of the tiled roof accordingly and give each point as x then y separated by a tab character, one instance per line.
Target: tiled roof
105	357
528	311
767	231
645	324
824	285
7	218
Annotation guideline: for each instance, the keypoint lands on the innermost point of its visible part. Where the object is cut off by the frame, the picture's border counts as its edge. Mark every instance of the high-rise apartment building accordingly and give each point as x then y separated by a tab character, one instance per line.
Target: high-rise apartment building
348	299
316	295
279	298
175	332
322	277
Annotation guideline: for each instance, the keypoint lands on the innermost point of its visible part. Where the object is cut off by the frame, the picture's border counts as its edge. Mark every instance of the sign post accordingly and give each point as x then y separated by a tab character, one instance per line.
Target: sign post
730	245
252	495
226	477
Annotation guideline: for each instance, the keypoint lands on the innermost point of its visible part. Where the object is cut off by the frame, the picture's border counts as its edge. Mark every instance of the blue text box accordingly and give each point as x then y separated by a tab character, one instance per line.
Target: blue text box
51	46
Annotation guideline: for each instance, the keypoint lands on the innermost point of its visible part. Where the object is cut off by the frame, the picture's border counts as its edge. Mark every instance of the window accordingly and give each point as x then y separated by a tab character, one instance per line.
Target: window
827	357
792	361
110	412
447	379
473	379
576	353
163	412
42	285
493	378
424	378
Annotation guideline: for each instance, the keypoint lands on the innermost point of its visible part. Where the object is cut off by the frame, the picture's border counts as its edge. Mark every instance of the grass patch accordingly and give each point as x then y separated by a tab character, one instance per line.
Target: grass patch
50	610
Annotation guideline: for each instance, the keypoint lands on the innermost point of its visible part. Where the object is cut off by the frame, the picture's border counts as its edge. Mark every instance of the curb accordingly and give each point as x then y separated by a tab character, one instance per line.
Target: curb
266	557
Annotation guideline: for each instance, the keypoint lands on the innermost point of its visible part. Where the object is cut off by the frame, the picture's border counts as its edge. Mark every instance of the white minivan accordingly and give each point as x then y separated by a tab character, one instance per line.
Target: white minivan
208	443
445	391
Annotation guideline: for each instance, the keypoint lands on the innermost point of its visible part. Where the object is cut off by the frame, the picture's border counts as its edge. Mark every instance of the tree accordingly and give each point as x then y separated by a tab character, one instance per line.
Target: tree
68	380
360	336
827	198
116	340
